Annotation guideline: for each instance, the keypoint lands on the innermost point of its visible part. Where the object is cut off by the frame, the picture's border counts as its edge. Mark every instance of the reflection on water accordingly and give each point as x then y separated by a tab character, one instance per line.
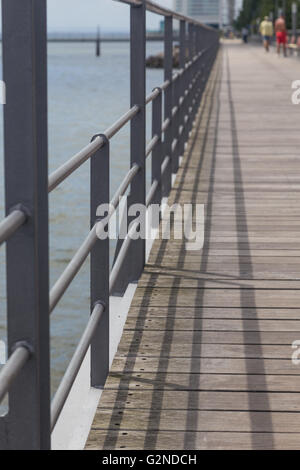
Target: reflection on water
86	95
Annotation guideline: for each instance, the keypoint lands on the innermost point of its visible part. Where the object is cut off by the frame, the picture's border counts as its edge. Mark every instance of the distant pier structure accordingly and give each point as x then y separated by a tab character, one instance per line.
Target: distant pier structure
98	43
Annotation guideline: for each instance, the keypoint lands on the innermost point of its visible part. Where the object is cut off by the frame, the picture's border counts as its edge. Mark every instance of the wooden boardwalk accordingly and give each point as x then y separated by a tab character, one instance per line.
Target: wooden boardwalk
205	361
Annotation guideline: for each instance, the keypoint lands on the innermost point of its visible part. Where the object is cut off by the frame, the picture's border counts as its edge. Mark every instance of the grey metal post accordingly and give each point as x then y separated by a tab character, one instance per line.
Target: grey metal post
100	267
27	425
175	127
135	259
183	80
157	151
168	74
191	55
137	254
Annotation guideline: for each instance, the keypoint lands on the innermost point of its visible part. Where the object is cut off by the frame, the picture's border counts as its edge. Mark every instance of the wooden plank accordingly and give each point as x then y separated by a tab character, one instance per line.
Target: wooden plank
209	312
200	324
191	400
172	440
208	324
143	339
217	273
206	350
200	382
217	297
195	365
158	281
207	421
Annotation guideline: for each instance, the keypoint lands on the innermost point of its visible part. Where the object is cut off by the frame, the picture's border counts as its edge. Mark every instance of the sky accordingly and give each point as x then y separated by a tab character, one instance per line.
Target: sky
85	15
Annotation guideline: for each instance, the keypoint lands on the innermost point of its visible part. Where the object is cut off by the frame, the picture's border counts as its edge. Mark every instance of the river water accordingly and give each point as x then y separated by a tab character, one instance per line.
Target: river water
86	95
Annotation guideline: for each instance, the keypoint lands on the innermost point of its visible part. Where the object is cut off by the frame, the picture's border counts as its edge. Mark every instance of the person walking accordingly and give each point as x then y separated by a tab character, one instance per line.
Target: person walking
281	34
266	30
245	33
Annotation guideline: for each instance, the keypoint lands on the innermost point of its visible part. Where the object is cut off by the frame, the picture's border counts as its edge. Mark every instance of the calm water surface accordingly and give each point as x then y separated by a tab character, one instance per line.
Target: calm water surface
86	95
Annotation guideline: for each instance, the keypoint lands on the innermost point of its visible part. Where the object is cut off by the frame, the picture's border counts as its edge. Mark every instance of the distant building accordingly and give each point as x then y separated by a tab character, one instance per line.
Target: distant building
206	11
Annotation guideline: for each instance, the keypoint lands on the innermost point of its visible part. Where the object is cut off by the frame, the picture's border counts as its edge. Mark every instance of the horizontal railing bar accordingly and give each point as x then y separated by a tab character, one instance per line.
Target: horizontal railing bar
12	368
156	91
11	223
124	185
72	269
126	244
152	95
164	165
166	124
174	110
174	145
75	364
70	375
120	123
81	255
158	9
151	193
151	145
65	170
165	85
121	256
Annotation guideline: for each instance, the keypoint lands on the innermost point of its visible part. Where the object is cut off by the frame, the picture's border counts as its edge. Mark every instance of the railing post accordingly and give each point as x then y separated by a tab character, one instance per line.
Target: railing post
100	266
191	71
27	425
157	151
137	254
168	74
184	83
135	261
176	96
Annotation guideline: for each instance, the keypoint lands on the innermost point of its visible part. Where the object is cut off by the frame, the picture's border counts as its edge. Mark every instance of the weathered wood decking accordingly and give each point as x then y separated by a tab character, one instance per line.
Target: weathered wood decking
205	358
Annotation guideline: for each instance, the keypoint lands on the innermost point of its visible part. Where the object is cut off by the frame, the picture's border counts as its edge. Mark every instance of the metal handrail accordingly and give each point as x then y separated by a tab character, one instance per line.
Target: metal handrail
70	375
153	95
65	170
126	244
151	145
81	350
151	193
165	164
121	256
11	223
158	9
78	357
12	368
174	107
82	253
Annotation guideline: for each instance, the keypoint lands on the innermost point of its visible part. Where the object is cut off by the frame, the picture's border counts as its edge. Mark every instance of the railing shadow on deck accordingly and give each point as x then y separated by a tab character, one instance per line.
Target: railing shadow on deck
248	298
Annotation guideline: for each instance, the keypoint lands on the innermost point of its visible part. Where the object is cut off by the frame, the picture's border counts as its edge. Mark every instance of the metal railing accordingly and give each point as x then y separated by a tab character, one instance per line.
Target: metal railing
26	376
